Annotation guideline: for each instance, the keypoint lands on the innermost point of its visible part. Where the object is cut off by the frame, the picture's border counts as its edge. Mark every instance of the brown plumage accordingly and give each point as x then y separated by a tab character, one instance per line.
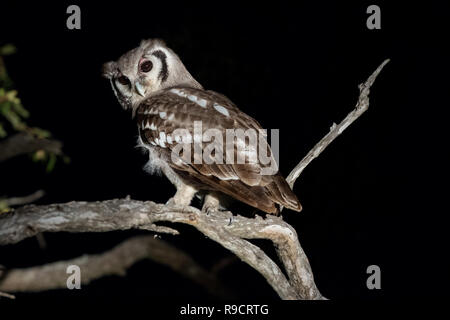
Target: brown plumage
243	182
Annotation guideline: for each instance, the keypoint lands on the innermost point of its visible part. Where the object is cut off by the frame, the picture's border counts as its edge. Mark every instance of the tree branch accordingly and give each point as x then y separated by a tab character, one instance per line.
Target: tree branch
361	106
113	262
24	143
6	295
122	214
18	201
231	232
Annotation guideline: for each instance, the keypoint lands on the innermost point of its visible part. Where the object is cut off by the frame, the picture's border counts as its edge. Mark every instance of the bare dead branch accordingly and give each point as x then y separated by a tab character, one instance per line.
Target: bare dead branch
122	214
20	201
232	233
361	106
24	143
7	295
113	262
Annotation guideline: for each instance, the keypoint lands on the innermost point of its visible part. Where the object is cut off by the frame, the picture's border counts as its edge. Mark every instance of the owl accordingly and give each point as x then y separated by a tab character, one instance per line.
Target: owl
169	106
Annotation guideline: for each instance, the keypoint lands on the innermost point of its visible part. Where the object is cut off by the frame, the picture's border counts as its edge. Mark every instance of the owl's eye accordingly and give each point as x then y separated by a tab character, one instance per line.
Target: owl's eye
123	80
146	66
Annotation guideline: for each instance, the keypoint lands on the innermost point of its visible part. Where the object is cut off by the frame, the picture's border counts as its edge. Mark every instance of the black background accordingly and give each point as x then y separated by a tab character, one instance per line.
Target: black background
375	196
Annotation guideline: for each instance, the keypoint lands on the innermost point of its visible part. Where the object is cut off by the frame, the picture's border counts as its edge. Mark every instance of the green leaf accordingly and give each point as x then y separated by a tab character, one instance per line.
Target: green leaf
39	155
21	111
12	117
51	162
40	133
2	131
3	205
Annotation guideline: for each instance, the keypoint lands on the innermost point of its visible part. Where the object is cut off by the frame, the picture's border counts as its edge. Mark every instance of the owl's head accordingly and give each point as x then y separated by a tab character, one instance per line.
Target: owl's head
144	71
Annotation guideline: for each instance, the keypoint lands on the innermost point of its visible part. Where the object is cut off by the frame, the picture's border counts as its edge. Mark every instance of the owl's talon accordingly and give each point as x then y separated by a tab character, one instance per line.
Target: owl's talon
211	204
209	209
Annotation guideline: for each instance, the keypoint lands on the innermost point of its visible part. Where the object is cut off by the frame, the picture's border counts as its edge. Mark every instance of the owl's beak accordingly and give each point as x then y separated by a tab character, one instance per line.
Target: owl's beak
139	88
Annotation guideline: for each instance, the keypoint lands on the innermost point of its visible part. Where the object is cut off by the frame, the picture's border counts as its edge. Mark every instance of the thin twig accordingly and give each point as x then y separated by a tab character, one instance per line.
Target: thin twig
20	201
7	295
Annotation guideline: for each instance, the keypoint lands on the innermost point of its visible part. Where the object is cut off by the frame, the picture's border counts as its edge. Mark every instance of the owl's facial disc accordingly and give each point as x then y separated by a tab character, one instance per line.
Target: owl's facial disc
144	71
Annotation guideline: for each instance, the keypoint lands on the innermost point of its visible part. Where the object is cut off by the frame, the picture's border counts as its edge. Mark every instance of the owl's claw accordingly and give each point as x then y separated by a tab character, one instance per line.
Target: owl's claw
208	209
211	204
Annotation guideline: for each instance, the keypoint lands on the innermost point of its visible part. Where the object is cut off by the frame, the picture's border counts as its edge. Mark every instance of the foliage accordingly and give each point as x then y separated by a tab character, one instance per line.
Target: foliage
11	108
13	117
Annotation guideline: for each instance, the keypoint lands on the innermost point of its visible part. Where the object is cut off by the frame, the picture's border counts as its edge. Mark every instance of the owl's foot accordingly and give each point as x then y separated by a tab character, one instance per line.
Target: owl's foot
182	197
211	203
209	209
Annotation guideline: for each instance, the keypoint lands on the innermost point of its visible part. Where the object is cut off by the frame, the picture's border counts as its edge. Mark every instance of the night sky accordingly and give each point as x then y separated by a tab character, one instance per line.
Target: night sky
371	198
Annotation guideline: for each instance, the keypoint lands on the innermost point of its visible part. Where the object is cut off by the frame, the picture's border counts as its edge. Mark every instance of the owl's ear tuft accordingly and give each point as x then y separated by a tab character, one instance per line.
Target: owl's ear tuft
109	69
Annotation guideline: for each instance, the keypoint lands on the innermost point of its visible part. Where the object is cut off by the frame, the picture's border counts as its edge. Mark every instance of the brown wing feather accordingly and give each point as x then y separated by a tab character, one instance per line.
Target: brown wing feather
168	111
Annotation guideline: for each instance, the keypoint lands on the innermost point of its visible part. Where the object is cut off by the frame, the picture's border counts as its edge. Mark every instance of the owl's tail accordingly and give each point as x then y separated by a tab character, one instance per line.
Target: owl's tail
281	193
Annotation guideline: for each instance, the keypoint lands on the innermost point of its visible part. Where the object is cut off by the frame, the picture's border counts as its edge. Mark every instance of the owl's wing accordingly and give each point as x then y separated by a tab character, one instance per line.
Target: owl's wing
165	119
